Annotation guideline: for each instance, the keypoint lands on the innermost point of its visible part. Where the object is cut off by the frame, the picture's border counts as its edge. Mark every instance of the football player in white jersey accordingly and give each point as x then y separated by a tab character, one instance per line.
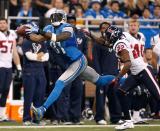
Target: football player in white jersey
138	42
136	38
140	72
155	42
7	53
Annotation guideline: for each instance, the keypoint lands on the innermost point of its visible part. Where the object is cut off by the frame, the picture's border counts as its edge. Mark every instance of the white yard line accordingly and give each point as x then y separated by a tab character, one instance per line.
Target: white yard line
73	126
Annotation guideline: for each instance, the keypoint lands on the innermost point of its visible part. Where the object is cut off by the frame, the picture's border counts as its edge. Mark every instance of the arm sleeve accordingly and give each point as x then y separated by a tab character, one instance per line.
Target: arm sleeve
31	56
45	57
96	58
26	47
85	47
68	29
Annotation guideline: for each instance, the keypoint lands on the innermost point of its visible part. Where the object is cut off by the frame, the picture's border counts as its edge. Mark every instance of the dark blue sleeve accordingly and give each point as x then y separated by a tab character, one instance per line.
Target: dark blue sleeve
26	46
44	47
84	45
96	58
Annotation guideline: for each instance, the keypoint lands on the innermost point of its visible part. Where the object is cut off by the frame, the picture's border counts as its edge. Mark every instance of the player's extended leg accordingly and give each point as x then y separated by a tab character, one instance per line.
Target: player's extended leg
91	75
73	71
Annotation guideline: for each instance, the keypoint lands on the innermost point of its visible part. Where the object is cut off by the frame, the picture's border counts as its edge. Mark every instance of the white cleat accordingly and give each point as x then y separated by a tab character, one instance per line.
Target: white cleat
101	122
126	125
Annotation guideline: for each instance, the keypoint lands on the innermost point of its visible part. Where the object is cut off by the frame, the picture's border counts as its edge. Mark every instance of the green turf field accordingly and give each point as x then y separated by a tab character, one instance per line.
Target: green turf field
148	128
88	126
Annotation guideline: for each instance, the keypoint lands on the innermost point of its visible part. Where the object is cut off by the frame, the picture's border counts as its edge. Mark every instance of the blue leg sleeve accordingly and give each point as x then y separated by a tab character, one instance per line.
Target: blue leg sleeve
59	85
104	80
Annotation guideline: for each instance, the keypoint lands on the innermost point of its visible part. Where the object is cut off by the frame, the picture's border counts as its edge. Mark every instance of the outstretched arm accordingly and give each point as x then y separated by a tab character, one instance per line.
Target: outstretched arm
36	38
98	40
61	37
125	58
49	36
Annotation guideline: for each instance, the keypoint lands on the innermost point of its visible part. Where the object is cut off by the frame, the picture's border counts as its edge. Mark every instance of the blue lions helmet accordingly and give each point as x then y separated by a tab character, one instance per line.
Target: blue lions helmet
112	34
58	17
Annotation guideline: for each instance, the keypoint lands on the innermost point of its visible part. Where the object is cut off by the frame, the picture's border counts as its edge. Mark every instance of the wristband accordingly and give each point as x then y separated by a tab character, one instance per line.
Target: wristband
53	38
19	67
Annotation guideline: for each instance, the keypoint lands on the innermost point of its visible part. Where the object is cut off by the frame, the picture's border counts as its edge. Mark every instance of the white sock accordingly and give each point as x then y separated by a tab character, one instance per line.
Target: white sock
2	111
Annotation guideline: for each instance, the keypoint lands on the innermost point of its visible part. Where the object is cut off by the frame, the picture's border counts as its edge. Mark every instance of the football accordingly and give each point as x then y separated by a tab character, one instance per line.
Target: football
21	30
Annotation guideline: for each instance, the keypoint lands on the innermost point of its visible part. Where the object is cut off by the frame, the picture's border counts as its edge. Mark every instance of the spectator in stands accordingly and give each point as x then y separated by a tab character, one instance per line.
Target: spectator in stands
105	5
115	13
26	11
43	5
134	15
85	4
146	15
79	14
58	4
156	2
95	12
34	80
149	4
139	7
73	4
14	6
156	15
66	8
128	6
156	11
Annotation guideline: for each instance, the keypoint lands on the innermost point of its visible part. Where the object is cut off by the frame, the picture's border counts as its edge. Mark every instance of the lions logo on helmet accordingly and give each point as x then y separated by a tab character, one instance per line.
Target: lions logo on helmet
112	34
58	17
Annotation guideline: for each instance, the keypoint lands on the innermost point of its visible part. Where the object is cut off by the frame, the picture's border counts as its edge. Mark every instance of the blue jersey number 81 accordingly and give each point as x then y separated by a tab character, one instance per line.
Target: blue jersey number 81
57	47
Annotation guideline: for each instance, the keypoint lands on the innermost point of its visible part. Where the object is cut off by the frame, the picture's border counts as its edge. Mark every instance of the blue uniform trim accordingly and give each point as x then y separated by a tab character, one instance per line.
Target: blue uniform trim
59	85
77	72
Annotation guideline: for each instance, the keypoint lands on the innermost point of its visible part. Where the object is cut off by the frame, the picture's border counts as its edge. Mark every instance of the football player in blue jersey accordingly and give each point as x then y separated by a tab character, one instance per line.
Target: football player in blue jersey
62	39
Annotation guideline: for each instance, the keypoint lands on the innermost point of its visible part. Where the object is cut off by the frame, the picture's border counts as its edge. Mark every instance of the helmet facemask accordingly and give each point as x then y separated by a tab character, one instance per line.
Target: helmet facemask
112	34
58	17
